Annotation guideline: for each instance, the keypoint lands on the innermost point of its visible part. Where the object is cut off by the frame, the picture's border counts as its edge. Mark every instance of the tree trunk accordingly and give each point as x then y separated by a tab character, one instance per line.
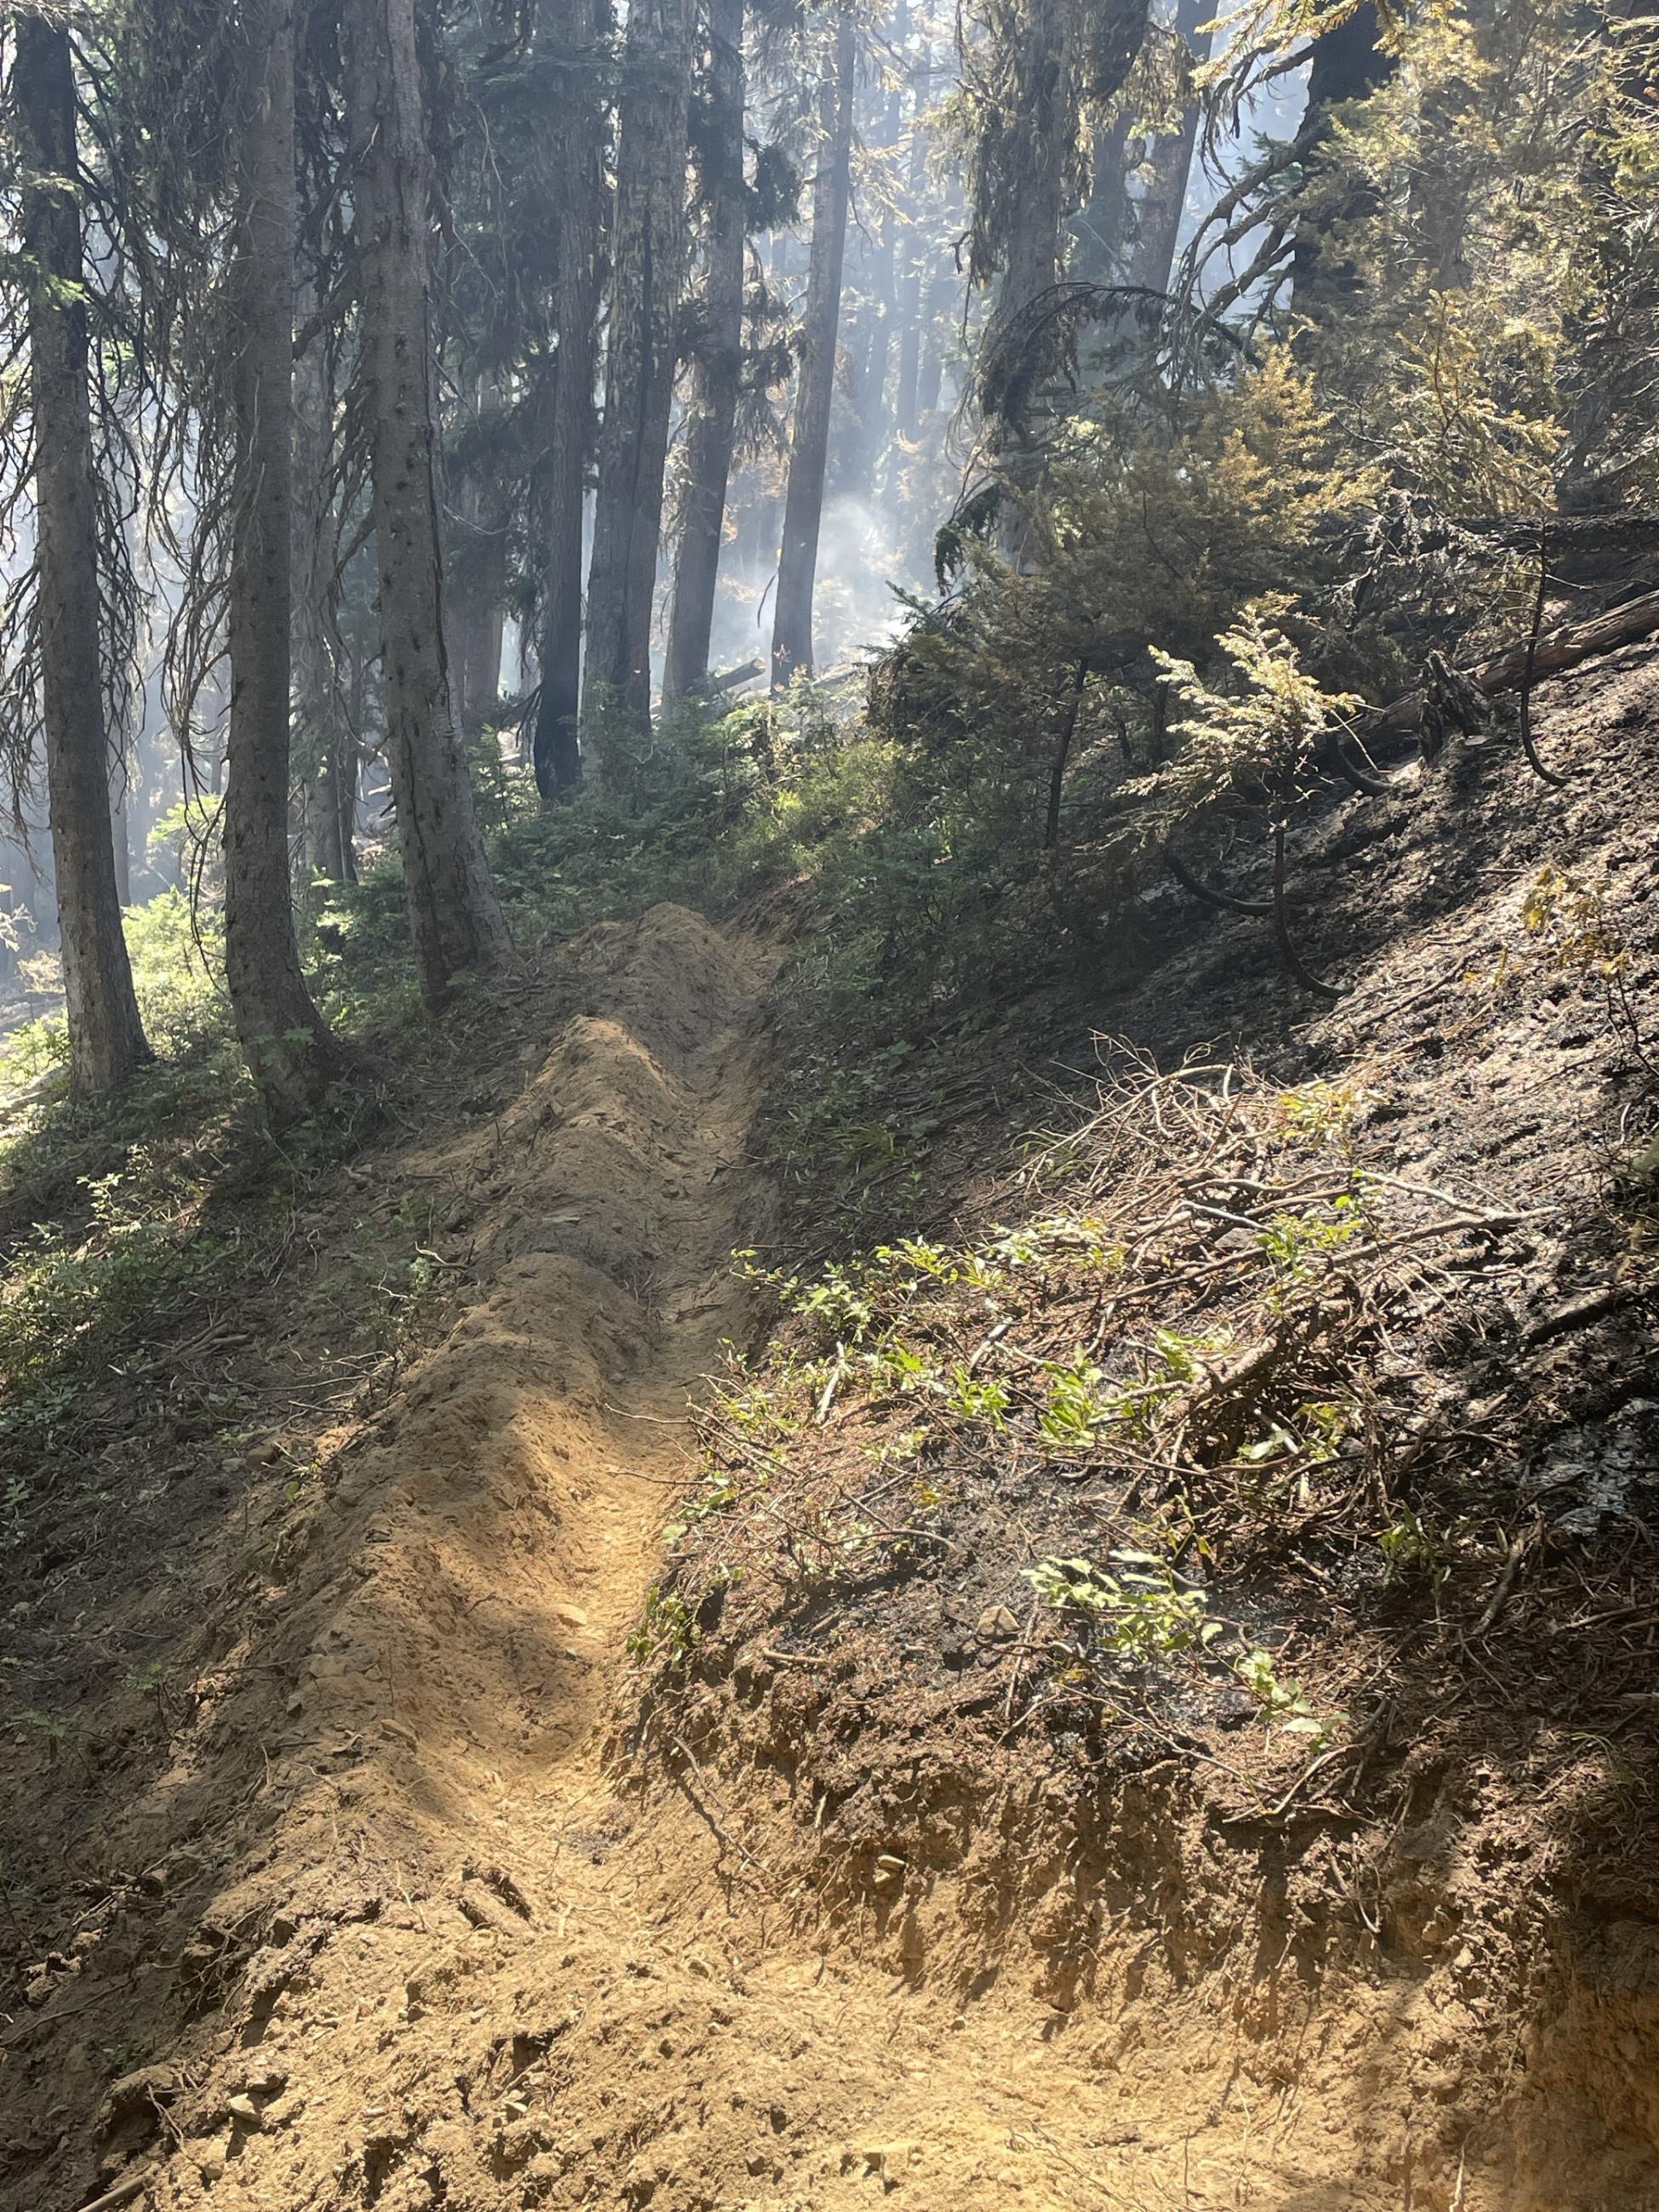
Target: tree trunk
1101	228
455	916
717	365
1045	119
1158	231
106	1038
478	572
809	448
915	249
649	267
874	420
574	32
1050	59
289	1053
485	627
318	718
1347	63
935	313
120	827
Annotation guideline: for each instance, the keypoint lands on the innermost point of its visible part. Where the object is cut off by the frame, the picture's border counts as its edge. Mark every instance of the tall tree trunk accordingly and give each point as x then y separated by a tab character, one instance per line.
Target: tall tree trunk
1102	226
318	719
120	827
106	1038
717	364
574	33
1347	63
1053	41
874	420
289	1053
1162	205
1045	118
648	262
935	318
455	917
484	630
478	574
479	622
809	448
915	248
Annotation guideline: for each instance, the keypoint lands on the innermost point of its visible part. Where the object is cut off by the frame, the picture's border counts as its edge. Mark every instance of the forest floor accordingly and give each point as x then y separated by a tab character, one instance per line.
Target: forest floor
367	1840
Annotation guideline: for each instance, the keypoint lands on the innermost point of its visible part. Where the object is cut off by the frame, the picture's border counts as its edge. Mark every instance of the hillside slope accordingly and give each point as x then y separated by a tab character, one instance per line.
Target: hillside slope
406	1833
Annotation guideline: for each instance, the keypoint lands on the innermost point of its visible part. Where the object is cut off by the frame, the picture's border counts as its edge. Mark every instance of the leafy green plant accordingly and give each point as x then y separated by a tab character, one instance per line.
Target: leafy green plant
1319	1113
723	1489
1253	740
1571	923
977	1399
1073	1407
50	1731
1139	1613
1412	1552
1283	1703
1081	1239
666	1629
1293	1241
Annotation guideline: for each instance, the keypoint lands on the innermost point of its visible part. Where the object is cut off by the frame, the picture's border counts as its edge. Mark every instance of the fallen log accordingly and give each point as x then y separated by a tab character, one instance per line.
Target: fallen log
1506	671
733	676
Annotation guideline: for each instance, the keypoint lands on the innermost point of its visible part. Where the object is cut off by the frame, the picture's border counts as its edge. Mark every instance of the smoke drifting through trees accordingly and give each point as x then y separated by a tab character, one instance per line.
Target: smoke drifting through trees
555	362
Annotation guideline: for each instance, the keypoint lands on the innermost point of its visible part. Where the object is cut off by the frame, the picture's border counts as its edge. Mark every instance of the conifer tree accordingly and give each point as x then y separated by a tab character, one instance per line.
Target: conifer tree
106	1037
717	357
572	38
455	917
288	1050
648	270
809	449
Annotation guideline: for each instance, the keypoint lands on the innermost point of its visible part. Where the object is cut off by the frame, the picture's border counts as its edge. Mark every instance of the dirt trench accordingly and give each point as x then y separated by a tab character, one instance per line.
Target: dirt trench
403	1936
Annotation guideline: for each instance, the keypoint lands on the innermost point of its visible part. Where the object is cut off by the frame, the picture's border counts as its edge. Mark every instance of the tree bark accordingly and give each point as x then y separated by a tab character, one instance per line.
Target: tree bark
717	365
478	574
1159	229
917	249
319	721
1347	63
1101	228
289	1053
930	379
455	917
574	34
872	346
874	420
106	1037
809	449
120	827
1033	248
648	261
1047	69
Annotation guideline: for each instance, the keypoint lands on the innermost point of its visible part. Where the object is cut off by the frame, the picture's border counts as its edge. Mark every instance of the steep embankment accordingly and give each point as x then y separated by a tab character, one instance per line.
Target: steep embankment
377	1927
330	1887
1210	1585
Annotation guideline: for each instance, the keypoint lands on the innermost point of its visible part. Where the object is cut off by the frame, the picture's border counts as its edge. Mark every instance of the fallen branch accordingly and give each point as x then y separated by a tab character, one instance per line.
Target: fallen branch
123	2193
1528	674
1199	890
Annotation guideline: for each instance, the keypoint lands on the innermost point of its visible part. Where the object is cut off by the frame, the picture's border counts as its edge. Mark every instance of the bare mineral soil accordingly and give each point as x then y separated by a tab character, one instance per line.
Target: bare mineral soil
333	1876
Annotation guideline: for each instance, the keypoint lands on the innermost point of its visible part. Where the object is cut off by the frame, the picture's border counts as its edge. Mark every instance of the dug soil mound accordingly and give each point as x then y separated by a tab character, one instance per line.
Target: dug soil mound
1208	1584
1140	1699
346	1898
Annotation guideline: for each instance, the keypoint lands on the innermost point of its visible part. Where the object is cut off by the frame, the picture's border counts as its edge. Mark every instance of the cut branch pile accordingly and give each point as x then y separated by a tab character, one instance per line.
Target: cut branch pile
1181	1355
